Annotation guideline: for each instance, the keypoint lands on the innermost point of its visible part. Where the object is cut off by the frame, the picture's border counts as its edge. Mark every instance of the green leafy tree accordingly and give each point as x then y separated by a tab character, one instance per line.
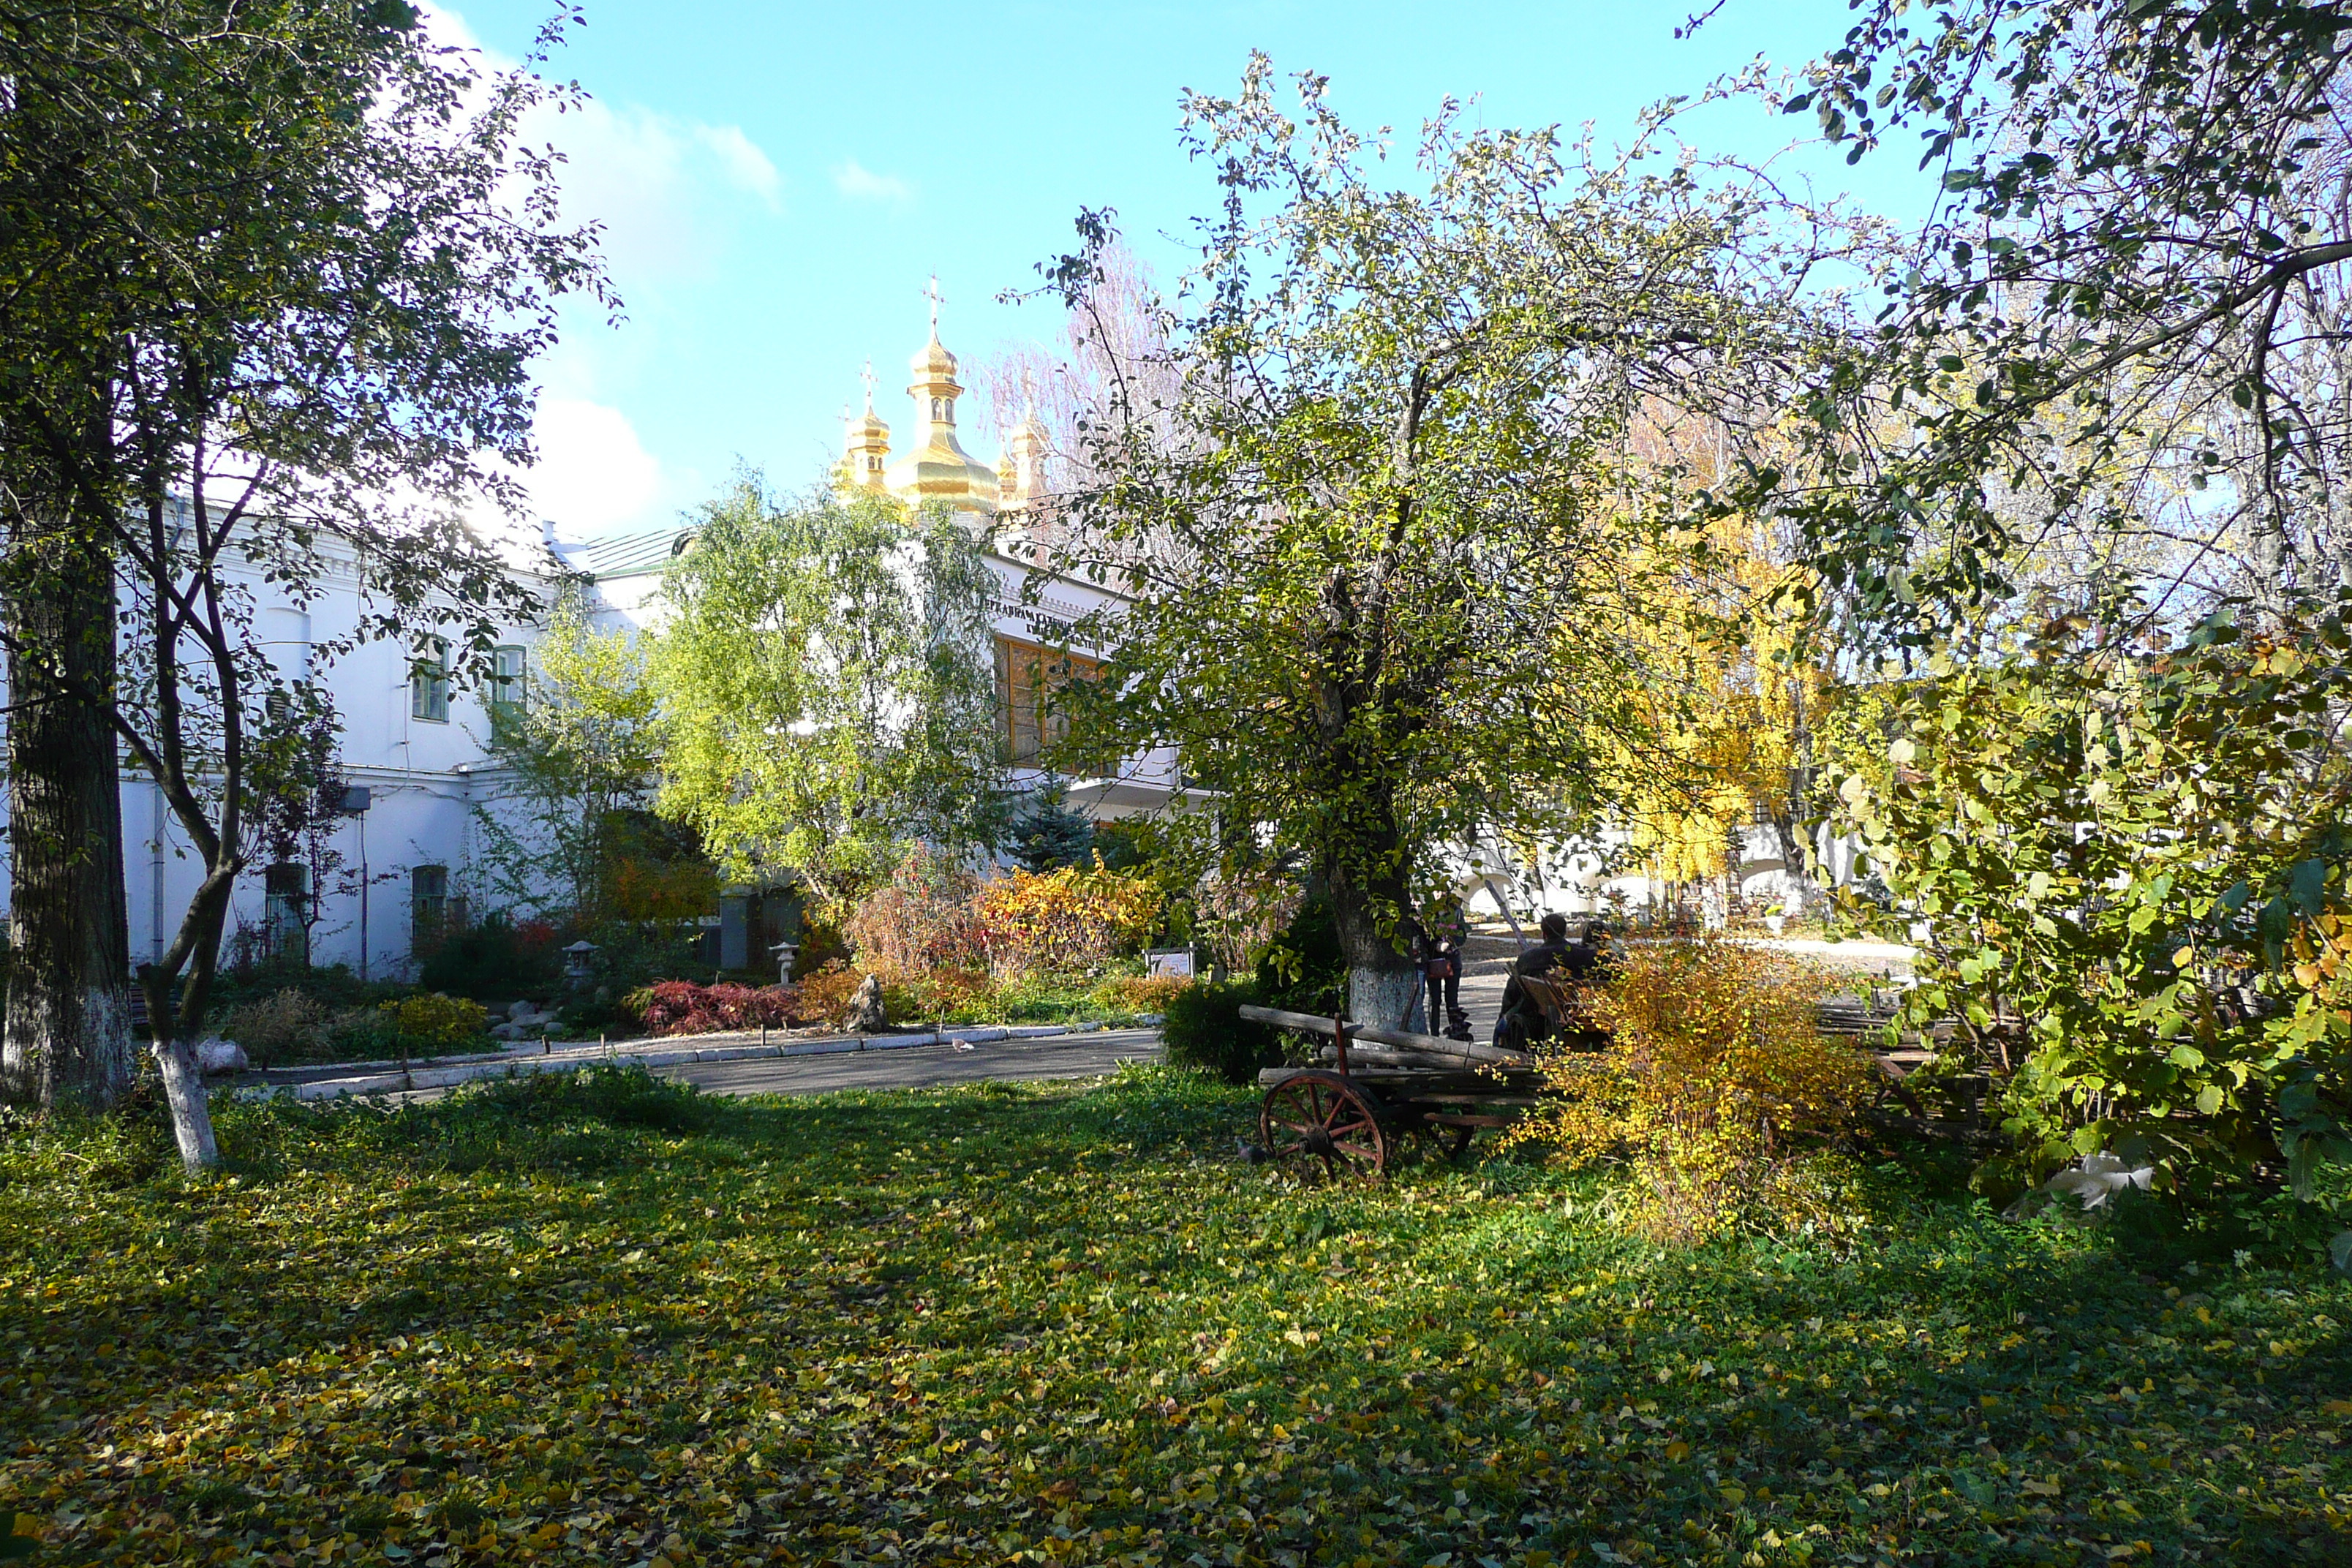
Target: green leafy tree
828	686
278	276
2116	354
1386	549
579	756
2130	858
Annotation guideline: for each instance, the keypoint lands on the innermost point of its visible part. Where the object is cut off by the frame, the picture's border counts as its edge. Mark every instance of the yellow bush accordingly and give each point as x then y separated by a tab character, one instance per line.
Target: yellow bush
438	1022
1717	1091
1140	993
1068	920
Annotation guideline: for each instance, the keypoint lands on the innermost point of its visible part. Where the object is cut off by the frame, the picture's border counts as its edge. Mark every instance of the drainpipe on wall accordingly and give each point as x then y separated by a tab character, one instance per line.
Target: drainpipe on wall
155	872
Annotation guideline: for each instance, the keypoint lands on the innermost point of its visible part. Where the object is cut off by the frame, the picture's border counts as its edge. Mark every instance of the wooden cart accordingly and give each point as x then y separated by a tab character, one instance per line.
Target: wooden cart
1377	1097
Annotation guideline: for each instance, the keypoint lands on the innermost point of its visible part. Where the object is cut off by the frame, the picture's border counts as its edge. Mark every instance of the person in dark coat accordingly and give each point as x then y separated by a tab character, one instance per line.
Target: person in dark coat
1521	1023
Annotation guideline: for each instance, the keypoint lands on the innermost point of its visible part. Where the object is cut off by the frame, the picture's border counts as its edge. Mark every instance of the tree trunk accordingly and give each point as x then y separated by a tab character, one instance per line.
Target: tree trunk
173	1029
1384	985
67	1037
182	1075
184	1092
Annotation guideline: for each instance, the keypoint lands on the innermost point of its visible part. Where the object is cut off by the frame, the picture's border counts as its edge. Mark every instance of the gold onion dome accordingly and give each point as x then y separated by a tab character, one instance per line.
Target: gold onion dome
932	362
865	443
938	468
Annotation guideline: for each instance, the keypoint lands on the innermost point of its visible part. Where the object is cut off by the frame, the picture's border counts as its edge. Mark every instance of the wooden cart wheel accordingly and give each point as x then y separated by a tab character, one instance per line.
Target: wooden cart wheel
1322	1117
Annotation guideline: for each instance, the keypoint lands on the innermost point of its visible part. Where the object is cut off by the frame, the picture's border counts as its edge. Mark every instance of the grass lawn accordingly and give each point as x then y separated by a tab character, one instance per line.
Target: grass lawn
605	1320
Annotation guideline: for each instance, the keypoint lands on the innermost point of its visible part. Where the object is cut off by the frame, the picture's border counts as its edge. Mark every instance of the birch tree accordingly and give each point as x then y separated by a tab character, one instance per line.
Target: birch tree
828	687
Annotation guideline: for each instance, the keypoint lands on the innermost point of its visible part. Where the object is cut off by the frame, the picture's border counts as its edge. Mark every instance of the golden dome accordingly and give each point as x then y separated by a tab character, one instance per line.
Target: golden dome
933	362
865	442
938	468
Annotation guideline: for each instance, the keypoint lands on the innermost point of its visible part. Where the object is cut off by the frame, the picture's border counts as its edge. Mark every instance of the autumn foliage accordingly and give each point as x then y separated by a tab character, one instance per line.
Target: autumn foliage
682	1007
1069	921
1719	1091
933	915
436	1022
920	917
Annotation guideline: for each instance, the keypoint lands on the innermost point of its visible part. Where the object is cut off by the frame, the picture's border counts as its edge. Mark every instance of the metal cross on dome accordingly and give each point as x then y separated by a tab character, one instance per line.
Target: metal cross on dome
867	375
937	300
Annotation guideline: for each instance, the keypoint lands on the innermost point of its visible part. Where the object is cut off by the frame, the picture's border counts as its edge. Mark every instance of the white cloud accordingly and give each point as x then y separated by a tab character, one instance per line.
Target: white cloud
860	184
673	194
593	475
750	168
668	192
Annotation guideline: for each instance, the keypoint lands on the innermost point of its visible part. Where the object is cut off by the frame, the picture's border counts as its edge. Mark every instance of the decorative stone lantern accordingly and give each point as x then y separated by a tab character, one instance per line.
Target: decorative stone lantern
580	961
785	952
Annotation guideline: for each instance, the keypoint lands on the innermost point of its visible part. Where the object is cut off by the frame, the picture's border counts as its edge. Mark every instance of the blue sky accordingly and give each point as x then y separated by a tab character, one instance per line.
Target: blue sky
779	182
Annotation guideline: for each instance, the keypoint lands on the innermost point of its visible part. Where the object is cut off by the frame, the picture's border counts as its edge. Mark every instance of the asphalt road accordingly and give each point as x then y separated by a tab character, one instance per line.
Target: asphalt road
924	1067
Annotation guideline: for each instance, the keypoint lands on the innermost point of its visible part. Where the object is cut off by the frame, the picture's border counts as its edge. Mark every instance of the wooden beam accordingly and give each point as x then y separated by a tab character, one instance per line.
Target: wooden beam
1411	1083
1361	1035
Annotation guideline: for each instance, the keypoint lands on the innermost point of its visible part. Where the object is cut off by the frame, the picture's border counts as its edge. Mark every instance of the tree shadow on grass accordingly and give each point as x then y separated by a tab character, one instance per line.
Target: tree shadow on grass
1087	1317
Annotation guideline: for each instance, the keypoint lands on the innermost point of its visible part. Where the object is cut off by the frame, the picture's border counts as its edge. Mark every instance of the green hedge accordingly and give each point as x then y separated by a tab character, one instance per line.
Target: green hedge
1203	1028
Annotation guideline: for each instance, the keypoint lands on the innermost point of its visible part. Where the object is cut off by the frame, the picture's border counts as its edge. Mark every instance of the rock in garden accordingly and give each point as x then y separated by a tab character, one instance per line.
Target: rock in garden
216	1055
524	1022
866	1015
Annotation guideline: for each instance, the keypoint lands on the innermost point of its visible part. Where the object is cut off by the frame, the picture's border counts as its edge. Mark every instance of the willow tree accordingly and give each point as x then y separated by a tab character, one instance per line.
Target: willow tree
1386	554
828	687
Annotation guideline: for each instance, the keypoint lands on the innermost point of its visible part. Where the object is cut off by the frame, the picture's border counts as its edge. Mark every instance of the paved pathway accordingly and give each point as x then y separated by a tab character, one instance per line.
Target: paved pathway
925	1067
732	1065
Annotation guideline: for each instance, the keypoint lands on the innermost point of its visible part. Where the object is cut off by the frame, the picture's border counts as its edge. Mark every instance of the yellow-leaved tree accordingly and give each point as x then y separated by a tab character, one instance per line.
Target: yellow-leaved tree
1722	734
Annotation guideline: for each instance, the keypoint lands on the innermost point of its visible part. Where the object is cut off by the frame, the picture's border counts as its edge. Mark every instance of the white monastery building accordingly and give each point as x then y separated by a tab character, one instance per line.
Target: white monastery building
414	742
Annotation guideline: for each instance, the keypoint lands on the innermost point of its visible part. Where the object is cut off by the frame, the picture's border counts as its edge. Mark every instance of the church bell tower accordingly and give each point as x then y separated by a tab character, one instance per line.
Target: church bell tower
865	447
939	468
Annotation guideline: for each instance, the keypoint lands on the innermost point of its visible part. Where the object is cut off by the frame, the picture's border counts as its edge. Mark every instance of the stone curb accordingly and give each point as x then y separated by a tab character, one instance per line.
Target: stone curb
573	1058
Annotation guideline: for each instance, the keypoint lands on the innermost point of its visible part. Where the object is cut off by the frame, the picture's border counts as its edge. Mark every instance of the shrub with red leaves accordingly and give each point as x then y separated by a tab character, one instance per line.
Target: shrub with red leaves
682	1007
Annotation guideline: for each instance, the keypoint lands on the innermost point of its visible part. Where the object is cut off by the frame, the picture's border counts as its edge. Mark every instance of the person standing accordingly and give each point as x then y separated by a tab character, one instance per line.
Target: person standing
1445	929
